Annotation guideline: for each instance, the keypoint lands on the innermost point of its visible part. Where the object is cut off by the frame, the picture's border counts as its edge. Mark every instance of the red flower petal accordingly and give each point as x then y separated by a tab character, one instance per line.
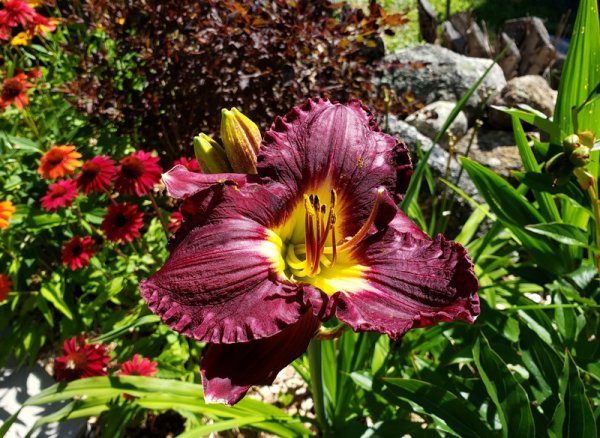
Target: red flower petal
138	173
229	370
76	253
220	284
324	144
60	194
413	281
122	222
80	360
96	174
181	183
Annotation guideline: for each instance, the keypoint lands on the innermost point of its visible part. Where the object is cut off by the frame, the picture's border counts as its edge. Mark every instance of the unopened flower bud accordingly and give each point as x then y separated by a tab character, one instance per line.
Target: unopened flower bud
580	157
587	138
570	143
210	155
241	139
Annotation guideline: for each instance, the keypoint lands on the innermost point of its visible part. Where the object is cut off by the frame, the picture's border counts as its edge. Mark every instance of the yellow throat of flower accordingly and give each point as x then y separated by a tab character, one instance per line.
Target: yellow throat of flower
308	247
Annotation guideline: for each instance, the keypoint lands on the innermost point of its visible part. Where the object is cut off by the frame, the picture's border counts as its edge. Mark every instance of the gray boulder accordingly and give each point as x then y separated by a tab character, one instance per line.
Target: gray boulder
430	120
494	149
435	73
439	160
530	90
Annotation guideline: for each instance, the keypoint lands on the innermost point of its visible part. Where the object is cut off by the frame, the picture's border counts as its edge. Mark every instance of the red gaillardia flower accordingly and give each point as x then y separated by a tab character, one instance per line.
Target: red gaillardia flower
80	360
59	161
5	286
96	174
60	194
261	260
122	222
190	164
15	13
14	90
7	209
138	173
138	366
76	253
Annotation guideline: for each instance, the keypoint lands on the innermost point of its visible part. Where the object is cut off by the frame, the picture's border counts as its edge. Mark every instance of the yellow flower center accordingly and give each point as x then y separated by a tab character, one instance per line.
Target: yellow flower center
307	247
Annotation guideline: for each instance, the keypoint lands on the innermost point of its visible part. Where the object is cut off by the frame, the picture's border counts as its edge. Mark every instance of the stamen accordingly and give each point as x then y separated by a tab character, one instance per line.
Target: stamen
333	243
364	230
308	225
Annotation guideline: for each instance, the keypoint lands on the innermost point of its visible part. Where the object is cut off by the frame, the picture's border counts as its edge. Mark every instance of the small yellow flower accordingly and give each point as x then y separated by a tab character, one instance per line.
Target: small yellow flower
21	39
35	3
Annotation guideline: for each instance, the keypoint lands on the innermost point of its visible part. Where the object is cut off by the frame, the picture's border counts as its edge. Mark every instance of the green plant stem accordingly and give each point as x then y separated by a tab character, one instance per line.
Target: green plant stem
31	123
316	383
157	210
593	194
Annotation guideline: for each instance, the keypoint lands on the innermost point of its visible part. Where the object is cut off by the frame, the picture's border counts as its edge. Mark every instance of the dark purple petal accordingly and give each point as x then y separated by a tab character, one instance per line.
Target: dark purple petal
222	282
181	183
324	145
413	281
229	370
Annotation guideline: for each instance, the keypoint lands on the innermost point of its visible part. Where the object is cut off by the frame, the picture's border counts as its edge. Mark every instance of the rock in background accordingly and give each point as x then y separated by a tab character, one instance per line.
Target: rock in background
435	73
430	120
530	90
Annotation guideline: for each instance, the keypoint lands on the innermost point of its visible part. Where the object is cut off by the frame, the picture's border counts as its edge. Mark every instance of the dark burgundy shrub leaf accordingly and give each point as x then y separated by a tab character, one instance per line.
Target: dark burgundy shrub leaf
164	69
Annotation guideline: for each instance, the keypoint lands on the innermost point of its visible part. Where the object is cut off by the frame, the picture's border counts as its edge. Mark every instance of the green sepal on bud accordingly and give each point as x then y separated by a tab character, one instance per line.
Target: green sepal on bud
241	140
210	155
580	157
570	143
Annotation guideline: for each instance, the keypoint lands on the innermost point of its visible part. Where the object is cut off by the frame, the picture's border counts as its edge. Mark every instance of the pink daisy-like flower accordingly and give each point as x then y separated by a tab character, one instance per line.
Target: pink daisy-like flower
80	360
16	12
138	366
76	253
122	222
60	194
96	174
190	164
138	173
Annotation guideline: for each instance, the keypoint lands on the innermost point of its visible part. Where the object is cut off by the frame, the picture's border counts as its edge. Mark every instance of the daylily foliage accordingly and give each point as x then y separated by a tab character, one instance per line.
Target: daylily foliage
262	260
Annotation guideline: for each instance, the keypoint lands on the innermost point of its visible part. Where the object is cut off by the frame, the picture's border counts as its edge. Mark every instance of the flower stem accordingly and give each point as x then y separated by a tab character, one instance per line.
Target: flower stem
30	123
157	210
316	380
593	194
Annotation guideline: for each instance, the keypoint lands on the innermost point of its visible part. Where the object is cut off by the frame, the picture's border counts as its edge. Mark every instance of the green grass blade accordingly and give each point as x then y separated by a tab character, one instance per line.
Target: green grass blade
547	205
109	336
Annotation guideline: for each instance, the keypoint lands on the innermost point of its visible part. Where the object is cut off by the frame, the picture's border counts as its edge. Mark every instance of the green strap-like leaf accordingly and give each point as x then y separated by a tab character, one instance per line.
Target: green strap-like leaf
458	414
508	395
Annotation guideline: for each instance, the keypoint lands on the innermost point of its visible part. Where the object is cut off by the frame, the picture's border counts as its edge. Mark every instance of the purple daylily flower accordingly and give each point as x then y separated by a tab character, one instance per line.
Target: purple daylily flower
261	260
